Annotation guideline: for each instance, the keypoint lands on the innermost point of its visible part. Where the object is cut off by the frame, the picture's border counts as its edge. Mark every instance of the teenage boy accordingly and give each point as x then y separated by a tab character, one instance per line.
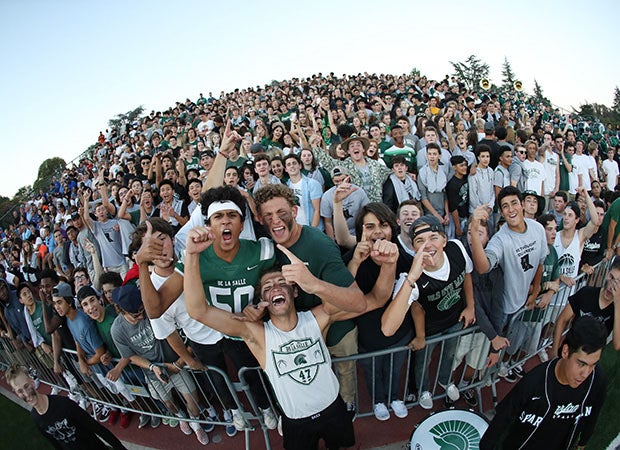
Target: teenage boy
556	405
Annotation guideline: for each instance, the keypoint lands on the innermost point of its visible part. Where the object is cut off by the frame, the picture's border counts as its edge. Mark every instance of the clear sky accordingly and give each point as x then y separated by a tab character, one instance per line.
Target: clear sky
69	66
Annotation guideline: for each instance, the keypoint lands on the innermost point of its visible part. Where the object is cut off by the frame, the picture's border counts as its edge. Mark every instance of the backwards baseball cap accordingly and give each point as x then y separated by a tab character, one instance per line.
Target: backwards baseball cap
257	148
208	153
128	298
339	170
62	289
85	292
489	126
424	224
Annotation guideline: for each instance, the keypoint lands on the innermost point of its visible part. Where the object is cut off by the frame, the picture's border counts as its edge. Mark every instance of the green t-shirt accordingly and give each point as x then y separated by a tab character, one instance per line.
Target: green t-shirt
193	164
104	328
238	163
564	177
230	286
322	256
612	213
37	321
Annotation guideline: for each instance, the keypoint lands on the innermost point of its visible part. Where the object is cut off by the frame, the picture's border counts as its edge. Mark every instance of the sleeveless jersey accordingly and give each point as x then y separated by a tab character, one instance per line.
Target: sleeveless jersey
443	301
230	286
569	257
299	367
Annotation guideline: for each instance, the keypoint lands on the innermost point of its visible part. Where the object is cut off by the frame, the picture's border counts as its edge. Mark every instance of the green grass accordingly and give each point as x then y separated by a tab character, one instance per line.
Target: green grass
18	430
607	425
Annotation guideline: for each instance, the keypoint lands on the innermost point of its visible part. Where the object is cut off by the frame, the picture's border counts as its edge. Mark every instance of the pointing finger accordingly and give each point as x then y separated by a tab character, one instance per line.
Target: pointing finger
292	258
149	229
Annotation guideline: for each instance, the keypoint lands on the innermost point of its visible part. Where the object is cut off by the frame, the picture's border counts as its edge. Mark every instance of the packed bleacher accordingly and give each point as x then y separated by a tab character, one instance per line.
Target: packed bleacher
429	165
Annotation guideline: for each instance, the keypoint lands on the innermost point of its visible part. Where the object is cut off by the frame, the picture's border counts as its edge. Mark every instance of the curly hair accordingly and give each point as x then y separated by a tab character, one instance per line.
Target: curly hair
220	194
270	191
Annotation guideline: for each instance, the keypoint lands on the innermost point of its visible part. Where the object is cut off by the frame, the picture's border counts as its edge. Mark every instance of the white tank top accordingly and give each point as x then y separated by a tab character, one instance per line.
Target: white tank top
569	257
300	368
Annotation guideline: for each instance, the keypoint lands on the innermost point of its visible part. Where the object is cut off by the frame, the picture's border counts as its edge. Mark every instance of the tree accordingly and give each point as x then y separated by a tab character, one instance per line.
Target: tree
415	72
471	71
22	193
120	119
538	94
616	103
48	168
508	74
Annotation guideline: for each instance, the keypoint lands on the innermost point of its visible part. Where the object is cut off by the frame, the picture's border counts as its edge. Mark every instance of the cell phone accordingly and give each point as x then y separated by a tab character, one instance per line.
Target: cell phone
293	117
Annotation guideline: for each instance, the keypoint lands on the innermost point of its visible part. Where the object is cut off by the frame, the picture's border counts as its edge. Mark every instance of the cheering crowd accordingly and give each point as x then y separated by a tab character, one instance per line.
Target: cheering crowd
387	210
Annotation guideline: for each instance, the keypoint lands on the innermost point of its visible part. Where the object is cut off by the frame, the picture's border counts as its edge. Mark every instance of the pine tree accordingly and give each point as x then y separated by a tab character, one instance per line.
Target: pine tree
616	103
538	92
471	71
508	74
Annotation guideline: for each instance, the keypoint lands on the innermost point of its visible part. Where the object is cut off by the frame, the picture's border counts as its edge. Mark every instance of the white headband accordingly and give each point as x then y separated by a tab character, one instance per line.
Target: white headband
221	206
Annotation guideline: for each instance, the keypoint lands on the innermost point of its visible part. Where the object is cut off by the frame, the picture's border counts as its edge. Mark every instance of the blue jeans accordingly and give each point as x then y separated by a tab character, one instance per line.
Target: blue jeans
385	373
423	359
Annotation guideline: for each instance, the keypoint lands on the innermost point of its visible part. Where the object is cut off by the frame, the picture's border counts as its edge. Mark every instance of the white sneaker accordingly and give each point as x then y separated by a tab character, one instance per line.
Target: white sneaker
426	400
400	410
238	420
543	355
503	370
381	411
453	392
185	428
270	418
201	435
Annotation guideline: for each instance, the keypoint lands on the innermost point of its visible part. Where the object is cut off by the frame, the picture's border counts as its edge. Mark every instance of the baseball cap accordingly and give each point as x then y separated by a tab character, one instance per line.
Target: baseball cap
339	170
128	298
424	224
257	148
62	289
489	126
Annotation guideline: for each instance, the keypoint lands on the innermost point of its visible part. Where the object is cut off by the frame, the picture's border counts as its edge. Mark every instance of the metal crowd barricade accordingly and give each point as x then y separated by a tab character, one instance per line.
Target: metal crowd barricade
132	392
539	333
537	325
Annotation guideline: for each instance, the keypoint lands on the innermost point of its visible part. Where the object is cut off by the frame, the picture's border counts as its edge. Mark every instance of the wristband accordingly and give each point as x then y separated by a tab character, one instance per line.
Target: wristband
151	366
175	365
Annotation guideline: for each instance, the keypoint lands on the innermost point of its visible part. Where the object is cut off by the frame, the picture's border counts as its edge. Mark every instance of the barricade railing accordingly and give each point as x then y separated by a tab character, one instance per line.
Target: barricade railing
393	373
531	331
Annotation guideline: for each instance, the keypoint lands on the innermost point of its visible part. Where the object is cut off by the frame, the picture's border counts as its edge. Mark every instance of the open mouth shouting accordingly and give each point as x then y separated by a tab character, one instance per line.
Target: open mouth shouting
278	299
227	235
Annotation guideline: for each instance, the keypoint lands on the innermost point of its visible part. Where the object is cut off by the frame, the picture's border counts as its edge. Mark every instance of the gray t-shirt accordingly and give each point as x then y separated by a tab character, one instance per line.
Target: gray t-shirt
519	255
140	340
350	205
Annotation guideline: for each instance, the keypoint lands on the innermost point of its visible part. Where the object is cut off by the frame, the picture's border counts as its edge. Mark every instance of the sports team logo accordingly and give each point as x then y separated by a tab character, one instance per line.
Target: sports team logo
300	360
453	434
453	429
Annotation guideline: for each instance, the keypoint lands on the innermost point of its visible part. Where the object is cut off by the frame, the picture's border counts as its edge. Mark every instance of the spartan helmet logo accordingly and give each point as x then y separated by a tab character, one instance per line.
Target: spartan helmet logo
456	434
300	359
525	263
